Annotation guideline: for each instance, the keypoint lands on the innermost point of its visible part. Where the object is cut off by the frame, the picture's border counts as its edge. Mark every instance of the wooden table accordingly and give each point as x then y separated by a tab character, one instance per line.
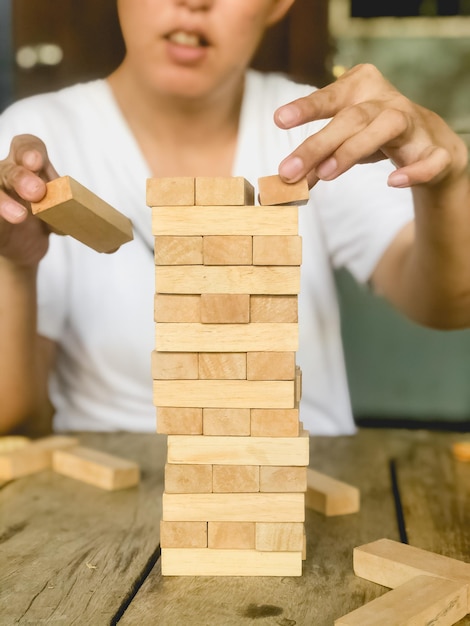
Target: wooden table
72	554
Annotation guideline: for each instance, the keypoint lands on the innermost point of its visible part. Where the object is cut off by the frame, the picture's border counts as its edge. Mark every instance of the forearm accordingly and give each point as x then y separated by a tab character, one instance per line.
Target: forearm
20	390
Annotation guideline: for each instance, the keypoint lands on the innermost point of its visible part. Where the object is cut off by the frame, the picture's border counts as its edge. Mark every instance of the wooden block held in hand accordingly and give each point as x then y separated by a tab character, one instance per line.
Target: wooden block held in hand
330	496
224	191
274	191
177	191
96	468
33	457
71	209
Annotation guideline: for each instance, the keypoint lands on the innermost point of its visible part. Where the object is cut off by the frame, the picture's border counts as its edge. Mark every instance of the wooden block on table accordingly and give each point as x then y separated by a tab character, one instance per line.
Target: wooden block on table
177	308
280	479
423	600
234	507
166	191
280	536
171	365
222	365
235	478
274	191
228	250
178	250
275	422
231	535
270	365
188	478
183	534
208	562
234	279
224	191
179	420
182	337
391	564
225	308
33	457
277	250
330	496
96	468
287	451
230	394
71	209
226	422
280	309
219	220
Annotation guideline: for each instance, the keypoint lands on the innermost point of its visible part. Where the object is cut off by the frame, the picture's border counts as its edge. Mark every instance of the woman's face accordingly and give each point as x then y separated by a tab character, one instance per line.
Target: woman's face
191	47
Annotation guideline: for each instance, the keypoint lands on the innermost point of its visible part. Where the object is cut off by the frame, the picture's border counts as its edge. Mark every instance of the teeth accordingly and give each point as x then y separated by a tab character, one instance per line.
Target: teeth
185	39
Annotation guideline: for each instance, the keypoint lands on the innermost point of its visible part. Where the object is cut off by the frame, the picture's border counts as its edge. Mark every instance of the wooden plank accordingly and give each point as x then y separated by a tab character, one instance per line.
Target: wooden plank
422	600
288	451
171	365
226	422
182	337
270	365
228	250
200	562
179	420
330	496
177	308
219	220
188	478
274	191
167	191
280	309
224	191
178	250
235	479
280	536
222	365
225	308
97	468
183	534
234	507
275	422
277	250
72	209
231	535
236	279
279	479
34	457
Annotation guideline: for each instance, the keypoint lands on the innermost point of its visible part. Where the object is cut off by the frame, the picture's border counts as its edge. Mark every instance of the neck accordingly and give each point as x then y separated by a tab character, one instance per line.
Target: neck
197	136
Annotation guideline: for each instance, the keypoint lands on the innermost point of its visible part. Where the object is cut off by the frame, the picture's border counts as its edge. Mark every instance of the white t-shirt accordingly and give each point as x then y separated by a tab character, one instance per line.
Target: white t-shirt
99	308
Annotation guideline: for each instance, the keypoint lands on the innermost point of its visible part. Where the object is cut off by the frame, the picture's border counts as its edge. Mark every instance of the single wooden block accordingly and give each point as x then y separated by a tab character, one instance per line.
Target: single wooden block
182	337
188	478
226	422
178	250
330	496
298	384
178	191
224	191
236	279
391	564
424	600
270	365
280	479
235	478
219	220
230	394
275	422
280	536
222	365
274	191
234	507
277	250
33	457
290	451
71	209
183	534
96	468
228	250
177	308
179	420
175	365
225	308
208	562
231	535
280	309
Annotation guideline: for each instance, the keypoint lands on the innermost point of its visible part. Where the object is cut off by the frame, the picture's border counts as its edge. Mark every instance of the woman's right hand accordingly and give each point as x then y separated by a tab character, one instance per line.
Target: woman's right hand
23	176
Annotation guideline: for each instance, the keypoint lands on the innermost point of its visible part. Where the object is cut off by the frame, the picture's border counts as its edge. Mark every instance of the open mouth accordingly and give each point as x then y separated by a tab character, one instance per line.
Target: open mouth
191	40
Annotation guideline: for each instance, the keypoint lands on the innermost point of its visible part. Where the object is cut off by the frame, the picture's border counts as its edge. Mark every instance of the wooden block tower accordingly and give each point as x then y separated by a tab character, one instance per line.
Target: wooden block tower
226	385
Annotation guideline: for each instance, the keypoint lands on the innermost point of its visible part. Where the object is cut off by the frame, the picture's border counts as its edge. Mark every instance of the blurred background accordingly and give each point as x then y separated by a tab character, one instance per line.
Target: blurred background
398	372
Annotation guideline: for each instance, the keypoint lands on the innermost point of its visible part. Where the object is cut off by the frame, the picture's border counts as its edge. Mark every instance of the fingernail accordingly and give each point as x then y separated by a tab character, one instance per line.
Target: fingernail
398	180
292	168
288	115
13	212
326	169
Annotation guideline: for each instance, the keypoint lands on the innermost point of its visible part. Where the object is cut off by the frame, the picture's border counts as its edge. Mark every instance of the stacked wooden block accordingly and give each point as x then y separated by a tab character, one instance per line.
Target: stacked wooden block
226	385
